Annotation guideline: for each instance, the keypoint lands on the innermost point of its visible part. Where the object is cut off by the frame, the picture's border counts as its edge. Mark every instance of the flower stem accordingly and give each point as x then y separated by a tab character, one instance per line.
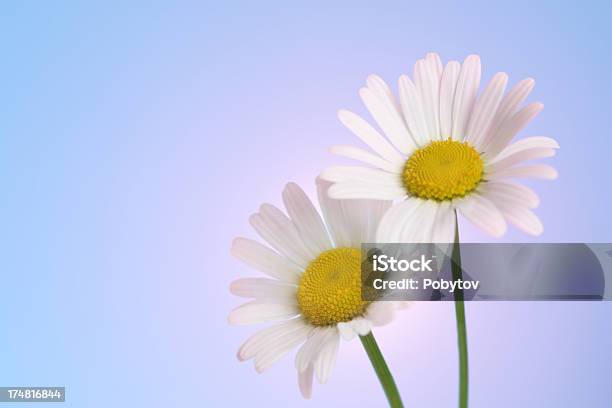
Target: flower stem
461	326
382	370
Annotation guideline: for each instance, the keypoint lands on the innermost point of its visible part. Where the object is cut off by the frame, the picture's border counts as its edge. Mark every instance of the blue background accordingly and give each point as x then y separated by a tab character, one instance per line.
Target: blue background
136	139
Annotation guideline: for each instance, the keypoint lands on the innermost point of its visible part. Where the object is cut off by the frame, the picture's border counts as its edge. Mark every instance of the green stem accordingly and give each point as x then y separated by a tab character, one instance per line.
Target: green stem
382	370
461	326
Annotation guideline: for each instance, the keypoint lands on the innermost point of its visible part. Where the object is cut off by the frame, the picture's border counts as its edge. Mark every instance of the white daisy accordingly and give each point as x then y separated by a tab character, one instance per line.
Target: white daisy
314	287
445	149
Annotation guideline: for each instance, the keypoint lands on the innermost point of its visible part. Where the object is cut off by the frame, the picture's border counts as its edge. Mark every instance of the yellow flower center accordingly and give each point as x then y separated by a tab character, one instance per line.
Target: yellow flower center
443	170
330	289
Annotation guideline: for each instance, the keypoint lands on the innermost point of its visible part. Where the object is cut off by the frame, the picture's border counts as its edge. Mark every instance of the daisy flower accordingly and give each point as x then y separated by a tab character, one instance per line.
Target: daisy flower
314	283
446	150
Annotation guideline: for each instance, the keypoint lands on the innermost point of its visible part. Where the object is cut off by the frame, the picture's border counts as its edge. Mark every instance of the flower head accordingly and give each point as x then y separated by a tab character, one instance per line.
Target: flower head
314	284
445	149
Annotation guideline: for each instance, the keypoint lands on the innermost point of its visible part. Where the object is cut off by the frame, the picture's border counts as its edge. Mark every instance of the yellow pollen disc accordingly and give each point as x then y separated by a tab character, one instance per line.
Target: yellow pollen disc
443	170
330	289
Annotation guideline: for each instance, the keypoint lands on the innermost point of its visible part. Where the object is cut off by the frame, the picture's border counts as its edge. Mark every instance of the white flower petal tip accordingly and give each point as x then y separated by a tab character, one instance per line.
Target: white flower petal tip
524	219
554	144
465	95
525	149
307	221
537	233
326	360
370	136
264	289
472	58
375	81
346	116
384	109
434	59
305	382
500	232
346	331
237	247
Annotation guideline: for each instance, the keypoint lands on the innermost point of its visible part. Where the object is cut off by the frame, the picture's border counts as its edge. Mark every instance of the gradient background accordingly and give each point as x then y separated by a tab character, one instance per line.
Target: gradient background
136	139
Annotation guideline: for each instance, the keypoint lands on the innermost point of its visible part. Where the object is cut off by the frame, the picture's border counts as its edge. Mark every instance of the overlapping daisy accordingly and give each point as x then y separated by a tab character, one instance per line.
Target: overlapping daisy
445	149
314	281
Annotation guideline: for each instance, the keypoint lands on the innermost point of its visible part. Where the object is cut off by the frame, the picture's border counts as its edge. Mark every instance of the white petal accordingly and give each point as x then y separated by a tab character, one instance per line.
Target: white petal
362	190
413	111
465	95
448	85
346	331
523	218
361	174
361	326
519	157
279	346
371	213
262	288
443	229
520	216
309	351
305	381
255	312
389	121
538	171
508	107
370	136
324	364
395	218
510	128
333	214
278	230
383	91
435	63
535	142
265	260
505	191
427	83
482	213
307	220
485	109
403	305
380	313
261	339
361	218
419	227
366	157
